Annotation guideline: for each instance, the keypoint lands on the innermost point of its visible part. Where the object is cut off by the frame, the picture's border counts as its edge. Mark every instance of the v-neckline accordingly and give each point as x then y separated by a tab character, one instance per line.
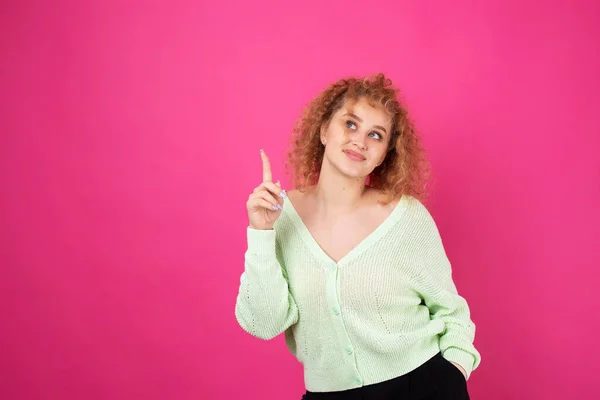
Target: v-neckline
363	245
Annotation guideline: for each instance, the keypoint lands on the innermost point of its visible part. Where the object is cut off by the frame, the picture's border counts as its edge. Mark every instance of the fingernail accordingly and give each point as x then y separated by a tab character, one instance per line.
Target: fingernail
279	207
275	208
283	194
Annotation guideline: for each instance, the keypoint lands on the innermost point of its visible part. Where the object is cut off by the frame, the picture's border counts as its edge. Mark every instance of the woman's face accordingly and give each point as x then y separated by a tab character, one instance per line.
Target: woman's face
356	139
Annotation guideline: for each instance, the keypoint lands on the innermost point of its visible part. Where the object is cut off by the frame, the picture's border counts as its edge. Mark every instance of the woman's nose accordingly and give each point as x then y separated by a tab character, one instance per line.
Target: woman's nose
359	140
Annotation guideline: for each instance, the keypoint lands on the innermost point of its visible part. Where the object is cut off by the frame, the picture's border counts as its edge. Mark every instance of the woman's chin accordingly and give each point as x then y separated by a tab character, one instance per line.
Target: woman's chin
352	170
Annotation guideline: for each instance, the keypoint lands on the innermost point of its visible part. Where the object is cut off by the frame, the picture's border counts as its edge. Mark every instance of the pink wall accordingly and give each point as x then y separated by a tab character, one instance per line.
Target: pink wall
129	142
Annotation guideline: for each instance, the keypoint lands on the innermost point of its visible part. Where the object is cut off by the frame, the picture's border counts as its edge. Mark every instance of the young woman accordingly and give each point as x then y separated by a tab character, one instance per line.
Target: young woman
350	266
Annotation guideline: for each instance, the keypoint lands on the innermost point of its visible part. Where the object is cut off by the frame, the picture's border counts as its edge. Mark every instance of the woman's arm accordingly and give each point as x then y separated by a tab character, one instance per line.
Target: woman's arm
438	290
264	307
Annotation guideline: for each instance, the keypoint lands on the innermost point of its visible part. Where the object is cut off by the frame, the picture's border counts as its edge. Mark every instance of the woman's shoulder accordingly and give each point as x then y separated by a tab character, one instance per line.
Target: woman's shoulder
299	197
383	199
299	192
411	207
419	215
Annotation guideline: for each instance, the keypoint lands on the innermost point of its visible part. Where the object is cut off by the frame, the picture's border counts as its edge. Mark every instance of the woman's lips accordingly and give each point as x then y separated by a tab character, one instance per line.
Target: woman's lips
354	156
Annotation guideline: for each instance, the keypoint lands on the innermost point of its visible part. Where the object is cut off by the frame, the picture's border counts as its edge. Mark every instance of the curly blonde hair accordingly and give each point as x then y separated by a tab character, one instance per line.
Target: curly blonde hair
405	169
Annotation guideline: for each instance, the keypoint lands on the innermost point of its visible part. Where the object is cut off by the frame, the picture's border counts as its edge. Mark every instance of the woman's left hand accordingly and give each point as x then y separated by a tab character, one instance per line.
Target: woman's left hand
460	369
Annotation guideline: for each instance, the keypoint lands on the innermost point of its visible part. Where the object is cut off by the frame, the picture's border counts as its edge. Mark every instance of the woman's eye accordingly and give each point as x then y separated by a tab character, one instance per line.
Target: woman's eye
350	125
377	135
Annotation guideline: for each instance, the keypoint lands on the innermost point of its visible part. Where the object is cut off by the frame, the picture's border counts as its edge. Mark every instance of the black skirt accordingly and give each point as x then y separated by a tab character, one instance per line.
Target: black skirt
437	379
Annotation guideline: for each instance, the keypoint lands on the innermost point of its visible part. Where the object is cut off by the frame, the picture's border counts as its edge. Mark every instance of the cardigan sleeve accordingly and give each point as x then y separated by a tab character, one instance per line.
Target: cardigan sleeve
437	289
264	306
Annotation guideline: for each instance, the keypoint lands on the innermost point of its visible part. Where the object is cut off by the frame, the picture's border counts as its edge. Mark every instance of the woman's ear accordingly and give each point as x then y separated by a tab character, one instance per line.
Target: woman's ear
323	133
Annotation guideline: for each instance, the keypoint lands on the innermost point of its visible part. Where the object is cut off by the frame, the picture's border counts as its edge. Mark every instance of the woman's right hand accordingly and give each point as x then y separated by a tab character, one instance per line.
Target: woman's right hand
266	202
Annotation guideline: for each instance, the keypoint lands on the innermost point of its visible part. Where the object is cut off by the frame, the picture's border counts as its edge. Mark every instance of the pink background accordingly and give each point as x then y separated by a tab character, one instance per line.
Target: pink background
129	143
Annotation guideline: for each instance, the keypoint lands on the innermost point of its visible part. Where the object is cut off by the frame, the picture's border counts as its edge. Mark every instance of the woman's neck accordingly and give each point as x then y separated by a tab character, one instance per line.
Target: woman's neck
337	194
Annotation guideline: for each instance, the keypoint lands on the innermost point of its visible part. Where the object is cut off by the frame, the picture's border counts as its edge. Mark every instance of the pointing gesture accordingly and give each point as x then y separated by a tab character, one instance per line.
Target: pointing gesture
266	164
265	203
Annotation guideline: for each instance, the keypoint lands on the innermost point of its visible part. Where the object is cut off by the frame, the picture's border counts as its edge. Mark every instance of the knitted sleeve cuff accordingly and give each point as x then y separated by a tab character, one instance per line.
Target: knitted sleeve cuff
261	242
461	357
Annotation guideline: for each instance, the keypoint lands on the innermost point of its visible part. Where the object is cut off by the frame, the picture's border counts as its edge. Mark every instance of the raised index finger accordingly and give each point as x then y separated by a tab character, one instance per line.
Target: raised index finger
267	176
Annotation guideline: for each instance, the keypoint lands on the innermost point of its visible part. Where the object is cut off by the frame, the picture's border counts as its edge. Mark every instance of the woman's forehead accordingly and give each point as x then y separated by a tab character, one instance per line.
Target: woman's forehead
366	109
